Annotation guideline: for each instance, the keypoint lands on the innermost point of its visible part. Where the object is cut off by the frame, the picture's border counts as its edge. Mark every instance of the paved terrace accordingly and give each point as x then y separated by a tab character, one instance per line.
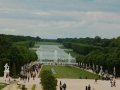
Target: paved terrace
72	84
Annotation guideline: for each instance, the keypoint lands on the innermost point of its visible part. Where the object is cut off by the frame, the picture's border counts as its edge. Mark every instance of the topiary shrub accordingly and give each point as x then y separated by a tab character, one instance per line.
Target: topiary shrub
48	81
23	87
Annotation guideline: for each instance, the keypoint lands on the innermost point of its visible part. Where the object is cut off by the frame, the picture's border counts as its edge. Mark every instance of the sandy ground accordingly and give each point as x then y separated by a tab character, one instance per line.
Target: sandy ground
77	84
72	84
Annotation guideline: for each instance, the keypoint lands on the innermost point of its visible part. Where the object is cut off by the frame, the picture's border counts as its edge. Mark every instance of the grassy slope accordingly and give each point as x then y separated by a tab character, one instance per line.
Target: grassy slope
70	72
2	86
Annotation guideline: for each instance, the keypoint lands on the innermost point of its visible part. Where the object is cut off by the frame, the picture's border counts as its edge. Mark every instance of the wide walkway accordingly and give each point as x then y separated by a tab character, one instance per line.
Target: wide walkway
77	84
72	84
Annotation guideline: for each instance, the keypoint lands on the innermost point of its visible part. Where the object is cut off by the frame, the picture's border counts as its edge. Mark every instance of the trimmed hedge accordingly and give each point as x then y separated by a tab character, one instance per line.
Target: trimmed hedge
48	81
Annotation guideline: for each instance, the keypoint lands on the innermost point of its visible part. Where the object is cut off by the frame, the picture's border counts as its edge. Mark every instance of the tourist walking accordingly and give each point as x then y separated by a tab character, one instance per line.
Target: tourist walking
96	80
60	85
114	83
89	87
64	86
111	82
86	88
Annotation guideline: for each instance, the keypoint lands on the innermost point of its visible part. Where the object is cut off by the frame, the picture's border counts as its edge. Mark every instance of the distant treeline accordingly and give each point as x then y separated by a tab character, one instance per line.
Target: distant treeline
16	38
14	50
98	51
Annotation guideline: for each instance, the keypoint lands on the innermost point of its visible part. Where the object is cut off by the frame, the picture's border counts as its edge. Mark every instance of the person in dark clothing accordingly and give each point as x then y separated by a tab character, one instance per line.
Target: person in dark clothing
86	88
111	83
60	85
114	83
64	86
60	82
89	87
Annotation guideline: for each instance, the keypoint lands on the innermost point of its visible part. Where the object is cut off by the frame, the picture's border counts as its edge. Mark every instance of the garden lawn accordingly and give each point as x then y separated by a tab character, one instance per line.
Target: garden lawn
48	43
2	86
33	87
69	72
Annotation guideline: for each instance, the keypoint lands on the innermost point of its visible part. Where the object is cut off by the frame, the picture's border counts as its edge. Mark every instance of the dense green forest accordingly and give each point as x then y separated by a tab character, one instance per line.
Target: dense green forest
14	50
98	51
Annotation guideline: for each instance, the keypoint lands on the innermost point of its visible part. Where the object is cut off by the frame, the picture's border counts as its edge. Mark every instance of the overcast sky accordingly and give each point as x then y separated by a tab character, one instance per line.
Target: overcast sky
60	18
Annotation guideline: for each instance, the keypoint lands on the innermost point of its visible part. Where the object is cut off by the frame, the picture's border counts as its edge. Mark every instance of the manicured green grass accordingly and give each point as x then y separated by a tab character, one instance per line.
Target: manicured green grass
48	43
33	87
2	86
69	72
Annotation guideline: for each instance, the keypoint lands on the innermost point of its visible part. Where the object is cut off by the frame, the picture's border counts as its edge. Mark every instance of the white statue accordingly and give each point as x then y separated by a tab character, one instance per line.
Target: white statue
6	67
101	70
22	68
6	71
114	71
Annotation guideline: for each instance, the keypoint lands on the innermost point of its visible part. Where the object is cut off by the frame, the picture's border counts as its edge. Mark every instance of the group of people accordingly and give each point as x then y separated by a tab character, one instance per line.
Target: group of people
113	83
28	72
63	86
88	87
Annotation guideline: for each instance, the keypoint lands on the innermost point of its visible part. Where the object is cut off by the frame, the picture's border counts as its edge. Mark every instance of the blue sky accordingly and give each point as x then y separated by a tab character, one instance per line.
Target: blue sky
60	18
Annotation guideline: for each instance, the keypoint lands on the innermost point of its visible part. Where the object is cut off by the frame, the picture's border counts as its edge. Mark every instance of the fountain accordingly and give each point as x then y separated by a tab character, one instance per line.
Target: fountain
55	56
69	58
41	55
52	54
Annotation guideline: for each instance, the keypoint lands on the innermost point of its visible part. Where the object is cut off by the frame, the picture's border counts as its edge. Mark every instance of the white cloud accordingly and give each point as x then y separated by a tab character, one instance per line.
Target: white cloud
80	19
78	22
41	13
58	24
108	1
84	15
7	30
53	18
